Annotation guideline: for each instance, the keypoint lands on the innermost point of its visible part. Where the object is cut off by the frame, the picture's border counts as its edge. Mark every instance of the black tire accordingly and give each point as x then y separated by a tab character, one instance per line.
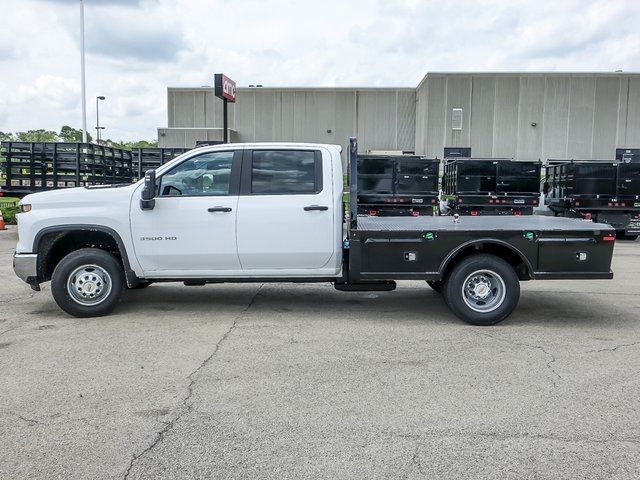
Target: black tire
436	285
113	284
499	276
140	285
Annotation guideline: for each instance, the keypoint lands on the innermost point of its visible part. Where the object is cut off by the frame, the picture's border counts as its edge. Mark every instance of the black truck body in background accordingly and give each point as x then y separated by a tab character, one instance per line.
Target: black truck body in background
30	167
397	185
491	186
608	191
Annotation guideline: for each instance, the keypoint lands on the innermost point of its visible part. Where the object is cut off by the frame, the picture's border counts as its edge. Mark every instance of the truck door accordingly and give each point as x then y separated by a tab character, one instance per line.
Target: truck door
191	229
286	210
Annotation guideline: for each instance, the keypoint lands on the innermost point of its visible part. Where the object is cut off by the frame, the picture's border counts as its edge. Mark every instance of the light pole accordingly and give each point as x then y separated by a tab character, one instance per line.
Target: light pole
98	127
82	75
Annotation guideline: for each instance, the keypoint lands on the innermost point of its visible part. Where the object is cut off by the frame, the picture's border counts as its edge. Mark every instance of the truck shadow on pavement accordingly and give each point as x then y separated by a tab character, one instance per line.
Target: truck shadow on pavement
318	302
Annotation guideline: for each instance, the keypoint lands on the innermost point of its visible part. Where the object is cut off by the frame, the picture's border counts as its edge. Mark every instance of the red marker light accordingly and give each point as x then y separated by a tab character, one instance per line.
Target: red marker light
609	238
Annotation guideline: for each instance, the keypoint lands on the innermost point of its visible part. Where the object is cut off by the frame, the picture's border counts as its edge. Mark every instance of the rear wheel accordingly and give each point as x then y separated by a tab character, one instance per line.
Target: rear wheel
88	283
482	289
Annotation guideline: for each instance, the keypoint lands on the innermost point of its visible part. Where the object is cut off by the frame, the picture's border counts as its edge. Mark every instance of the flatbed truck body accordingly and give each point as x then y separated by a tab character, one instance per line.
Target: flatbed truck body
491	186
397	185
606	191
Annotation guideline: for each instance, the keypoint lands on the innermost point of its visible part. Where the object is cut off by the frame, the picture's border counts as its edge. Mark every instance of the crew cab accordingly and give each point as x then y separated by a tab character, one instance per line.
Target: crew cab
274	212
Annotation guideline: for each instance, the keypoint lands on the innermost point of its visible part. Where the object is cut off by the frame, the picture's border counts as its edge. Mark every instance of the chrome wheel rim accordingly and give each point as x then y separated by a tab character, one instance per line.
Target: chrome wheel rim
89	285
483	291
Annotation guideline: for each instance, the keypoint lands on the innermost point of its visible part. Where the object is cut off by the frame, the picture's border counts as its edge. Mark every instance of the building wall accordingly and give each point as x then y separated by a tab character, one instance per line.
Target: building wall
381	118
578	115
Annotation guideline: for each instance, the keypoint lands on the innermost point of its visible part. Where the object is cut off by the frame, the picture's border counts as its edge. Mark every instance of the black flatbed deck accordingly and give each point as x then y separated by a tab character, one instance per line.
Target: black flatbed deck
489	224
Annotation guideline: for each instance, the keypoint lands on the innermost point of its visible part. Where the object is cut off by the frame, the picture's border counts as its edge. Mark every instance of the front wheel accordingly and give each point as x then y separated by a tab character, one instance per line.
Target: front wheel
88	283
482	289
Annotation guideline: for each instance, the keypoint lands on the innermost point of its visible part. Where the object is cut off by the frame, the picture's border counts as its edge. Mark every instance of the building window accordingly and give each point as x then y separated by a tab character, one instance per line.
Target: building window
456	119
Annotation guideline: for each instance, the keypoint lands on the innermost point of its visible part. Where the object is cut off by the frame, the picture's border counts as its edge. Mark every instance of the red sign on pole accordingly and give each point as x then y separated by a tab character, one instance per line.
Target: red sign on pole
225	88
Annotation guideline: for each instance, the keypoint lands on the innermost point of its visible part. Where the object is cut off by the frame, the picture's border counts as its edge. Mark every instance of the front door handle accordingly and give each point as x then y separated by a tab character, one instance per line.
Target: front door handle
315	207
219	209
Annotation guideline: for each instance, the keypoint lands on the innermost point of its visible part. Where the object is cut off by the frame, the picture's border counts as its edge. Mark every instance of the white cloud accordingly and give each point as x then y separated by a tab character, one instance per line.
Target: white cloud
136	48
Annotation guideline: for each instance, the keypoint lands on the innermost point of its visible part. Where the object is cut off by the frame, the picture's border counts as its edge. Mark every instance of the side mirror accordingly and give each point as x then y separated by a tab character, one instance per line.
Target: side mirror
147	201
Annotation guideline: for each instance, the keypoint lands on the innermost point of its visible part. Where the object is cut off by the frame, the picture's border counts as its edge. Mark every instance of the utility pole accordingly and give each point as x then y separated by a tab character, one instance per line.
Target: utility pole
98	127
82	75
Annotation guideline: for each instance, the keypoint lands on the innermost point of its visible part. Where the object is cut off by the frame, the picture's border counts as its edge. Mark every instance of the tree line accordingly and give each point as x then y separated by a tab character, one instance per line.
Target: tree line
69	134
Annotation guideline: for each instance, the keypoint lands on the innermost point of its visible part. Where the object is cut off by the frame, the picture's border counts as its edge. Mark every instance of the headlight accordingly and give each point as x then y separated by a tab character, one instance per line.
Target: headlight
25	207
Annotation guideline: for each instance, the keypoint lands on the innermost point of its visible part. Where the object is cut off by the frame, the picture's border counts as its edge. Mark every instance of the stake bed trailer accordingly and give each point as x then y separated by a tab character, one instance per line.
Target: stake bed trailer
608	191
397	185
491	186
273	212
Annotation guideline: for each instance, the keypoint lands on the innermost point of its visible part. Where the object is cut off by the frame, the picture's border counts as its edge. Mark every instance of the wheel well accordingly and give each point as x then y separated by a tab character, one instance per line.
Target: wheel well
54	246
510	256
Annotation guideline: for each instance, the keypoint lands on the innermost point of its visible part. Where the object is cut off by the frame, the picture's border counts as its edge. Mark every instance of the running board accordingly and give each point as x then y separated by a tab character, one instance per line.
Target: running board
366	287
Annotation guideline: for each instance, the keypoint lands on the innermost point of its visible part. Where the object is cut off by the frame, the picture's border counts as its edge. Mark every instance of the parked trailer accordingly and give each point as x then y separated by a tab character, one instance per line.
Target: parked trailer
491	186
397	185
607	191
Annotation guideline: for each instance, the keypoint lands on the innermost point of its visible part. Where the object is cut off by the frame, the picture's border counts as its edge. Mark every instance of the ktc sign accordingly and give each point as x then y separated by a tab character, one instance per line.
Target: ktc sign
225	88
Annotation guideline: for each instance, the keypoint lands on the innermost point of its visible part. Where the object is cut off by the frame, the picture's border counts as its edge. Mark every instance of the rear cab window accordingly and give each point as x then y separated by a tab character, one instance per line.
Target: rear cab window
284	172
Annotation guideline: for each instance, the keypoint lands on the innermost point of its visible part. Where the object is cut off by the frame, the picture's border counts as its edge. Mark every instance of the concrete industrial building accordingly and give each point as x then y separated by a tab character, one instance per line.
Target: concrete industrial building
518	115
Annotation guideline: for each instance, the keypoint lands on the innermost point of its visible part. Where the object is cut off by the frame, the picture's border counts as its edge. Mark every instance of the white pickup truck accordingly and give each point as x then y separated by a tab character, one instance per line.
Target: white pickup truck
274	212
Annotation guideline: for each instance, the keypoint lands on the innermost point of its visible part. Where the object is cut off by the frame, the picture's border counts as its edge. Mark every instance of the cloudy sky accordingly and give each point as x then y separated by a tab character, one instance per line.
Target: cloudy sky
136	48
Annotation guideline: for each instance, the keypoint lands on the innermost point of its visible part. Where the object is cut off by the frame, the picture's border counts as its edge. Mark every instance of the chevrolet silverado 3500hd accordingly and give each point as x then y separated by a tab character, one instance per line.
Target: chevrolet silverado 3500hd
268	212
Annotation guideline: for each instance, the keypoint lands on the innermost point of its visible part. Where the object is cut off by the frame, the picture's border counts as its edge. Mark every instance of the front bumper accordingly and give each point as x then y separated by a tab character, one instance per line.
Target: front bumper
26	267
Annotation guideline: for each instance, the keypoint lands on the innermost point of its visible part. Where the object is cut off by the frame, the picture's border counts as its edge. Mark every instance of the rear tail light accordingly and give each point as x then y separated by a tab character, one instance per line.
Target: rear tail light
490	201
587	216
610	204
433	200
415	213
474	213
459	200
609	238
373	213
517	213
577	204
504	201
623	204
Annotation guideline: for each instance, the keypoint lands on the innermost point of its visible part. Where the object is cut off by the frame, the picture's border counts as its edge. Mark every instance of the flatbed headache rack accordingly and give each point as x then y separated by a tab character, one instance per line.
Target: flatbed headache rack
491	186
397	184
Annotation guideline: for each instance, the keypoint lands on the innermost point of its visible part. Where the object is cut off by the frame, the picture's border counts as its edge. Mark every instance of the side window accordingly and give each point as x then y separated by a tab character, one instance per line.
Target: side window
206	174
277	172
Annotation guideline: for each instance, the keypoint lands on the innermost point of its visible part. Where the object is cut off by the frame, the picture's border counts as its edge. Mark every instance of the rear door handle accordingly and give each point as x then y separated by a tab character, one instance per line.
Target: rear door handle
315	207
219	209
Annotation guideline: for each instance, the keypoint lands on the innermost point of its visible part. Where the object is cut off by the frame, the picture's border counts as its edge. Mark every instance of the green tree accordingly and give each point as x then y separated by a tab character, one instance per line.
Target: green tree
6	137
70	134
132	145
39	135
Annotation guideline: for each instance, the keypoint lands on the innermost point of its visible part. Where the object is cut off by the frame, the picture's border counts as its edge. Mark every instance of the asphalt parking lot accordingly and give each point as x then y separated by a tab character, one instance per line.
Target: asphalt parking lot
302	381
